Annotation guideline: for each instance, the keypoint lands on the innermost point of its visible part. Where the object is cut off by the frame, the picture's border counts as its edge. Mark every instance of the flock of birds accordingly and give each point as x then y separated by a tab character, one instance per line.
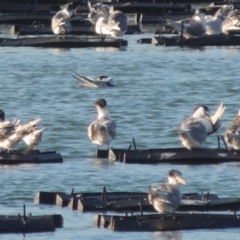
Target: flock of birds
11	133
193	131
224	20
164	198
106	21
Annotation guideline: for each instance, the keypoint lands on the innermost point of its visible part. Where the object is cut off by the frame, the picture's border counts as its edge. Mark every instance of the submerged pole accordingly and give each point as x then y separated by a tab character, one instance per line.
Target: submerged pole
181	37
224	143
134	144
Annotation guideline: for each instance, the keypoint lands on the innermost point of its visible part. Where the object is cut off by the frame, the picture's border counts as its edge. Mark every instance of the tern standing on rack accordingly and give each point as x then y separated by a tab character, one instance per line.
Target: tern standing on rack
167	197
195	129
103	130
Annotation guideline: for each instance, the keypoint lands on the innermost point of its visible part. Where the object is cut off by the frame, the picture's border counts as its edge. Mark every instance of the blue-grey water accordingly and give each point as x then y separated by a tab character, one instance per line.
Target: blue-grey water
157	88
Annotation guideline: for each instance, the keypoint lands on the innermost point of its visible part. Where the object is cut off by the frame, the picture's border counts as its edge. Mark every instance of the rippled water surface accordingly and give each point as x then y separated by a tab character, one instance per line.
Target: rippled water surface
157	87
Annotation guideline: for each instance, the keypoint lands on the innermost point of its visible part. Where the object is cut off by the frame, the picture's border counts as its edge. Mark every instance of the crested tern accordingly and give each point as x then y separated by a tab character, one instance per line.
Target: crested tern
107	21
167	197
98	16
232	134
101	81
13	137
191	27
195	129
117	24
103	130
61	23
33	138
232	21
11	133
224	11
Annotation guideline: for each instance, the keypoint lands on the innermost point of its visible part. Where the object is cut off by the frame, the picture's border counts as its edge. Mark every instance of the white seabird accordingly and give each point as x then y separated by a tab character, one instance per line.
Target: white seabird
101	81
191	27
33	138
224	11
195	129
117	24
213	25
167	197
61	23
232	21
13	137
98	16
103	130
232	134
107	21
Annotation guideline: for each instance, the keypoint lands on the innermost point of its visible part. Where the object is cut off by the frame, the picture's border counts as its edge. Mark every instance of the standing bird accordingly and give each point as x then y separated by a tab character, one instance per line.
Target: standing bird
167	197
33	138
213	25
232	134
194	130
98	16
232	21
107	21
117	24
224	11
103	130
61	23
191	27
16	133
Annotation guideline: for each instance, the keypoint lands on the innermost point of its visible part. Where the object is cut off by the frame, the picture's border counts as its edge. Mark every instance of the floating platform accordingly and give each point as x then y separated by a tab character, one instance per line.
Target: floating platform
174	16
29	224
127	7
207	40
163	222
82	30
133	201
171	156
35	157
63	42
95	1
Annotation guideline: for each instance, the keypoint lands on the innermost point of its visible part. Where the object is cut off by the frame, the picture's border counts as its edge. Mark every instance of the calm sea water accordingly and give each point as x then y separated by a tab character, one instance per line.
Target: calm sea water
157	88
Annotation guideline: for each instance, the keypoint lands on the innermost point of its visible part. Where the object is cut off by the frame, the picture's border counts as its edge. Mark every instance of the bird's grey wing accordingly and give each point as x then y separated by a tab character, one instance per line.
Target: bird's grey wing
117	18
85	80
195	129
194	28
92	130
59	19
110	126
233	130
223	12
232	20
228	22
168	193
